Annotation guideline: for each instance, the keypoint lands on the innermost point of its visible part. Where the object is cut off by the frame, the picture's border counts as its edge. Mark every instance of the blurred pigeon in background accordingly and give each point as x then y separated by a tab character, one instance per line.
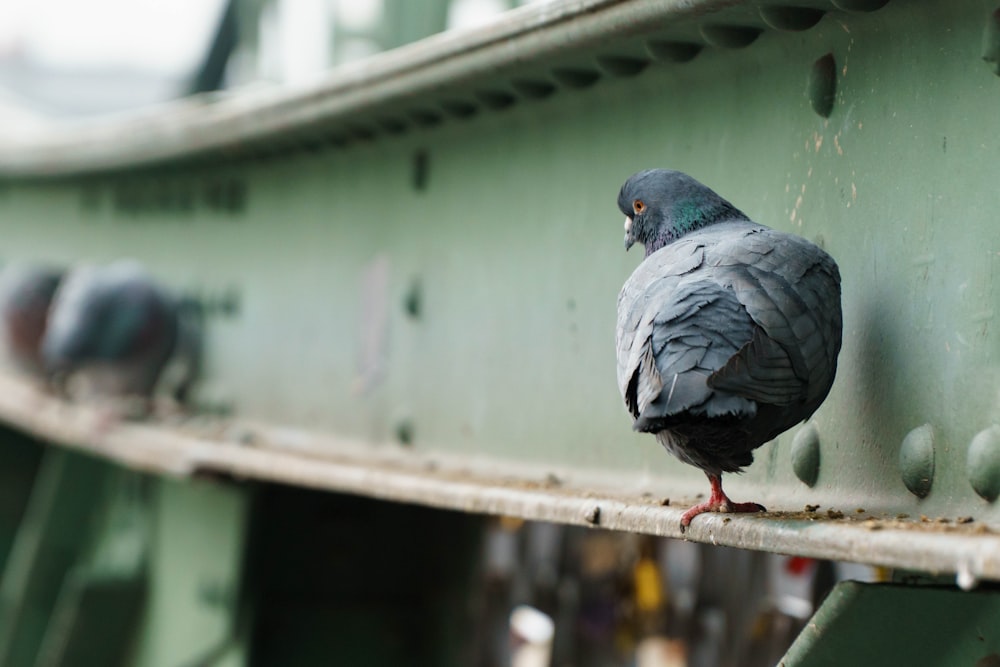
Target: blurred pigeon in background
728	332
118	329
26	292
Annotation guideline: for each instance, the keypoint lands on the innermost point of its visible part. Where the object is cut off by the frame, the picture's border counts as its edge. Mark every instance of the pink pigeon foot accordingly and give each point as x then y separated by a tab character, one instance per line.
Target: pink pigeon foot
718	502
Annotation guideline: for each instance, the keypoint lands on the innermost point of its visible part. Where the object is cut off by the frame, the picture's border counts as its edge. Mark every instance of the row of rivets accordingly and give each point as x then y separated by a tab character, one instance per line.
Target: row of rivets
821	86
916	460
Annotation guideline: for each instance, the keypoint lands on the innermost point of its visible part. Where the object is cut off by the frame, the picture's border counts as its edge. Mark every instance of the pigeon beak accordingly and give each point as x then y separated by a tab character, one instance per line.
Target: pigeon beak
629	238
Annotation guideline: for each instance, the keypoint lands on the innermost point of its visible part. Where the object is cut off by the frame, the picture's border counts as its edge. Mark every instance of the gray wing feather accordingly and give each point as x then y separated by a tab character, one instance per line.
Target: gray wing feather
725	318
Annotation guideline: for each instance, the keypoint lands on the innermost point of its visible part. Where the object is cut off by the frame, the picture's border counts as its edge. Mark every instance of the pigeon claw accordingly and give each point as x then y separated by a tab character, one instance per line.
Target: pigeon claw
724	507
718	502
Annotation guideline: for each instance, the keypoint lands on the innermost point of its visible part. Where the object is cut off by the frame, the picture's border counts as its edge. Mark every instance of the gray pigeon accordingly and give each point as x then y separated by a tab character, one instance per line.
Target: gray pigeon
26	292
116	326
728	332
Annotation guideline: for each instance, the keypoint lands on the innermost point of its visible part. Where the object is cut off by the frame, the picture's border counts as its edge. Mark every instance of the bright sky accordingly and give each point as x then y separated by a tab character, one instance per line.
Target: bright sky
166	36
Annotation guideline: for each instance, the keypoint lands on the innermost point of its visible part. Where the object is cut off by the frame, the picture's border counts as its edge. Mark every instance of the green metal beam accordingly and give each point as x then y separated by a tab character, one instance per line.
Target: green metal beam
50	538
195	575
879	624
94	618
93	621
532	52
20	458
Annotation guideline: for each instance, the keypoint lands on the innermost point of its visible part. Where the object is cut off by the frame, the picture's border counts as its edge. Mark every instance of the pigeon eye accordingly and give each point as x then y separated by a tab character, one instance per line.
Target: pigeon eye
638	206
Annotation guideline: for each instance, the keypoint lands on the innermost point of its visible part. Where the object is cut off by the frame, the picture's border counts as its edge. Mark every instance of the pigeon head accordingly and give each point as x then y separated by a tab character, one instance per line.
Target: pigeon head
661	205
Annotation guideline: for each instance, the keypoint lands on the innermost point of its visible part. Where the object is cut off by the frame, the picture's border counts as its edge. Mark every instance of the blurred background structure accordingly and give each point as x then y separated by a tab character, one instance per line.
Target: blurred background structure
66	59
394	222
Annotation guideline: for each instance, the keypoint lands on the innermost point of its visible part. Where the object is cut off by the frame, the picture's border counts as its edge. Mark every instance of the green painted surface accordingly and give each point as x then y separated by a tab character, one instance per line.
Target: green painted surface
195	574
92	621
516	245
94	617
511	247
19	462
880	624
50	537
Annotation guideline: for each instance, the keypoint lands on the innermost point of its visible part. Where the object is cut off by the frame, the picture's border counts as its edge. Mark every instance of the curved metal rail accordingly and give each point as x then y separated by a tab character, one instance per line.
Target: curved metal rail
530	54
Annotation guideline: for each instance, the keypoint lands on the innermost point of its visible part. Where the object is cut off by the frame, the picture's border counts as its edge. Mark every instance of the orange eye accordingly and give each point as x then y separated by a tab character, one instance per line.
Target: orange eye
638	206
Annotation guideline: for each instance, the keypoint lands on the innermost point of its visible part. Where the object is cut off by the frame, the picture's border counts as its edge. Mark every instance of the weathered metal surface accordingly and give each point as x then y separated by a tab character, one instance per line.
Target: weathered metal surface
532	52
449	291
19	462
196	575
50	538
616	502
928	626
101	596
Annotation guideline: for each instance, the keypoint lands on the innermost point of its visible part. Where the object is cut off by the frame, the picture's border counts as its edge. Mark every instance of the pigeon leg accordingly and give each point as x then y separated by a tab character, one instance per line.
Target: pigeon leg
718	502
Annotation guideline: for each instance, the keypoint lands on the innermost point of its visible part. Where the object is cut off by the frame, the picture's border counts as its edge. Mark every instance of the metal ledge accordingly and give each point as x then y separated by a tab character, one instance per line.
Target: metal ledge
528	54
208	448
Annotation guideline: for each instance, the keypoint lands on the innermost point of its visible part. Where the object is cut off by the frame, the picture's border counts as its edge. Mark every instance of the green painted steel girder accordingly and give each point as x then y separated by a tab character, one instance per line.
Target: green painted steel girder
19	463
196	574
51	536
444	285
877	624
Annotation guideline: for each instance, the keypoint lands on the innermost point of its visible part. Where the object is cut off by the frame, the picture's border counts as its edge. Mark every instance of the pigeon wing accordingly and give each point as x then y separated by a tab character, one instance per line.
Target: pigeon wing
791	290
677	326
725	319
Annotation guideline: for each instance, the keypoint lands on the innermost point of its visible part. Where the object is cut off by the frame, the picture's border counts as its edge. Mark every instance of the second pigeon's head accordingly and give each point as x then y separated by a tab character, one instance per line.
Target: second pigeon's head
661	205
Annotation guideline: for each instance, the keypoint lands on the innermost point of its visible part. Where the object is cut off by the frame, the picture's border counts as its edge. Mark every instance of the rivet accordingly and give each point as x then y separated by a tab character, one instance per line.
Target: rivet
337	140
823	85
459	108
533	89
791	18
361	132
426	117
983	463
393	125
674	52
805	454
413	301
593	515
404	432
572	77
212	593
860	5
730	37
496	99
421	168
916	460
622	65
230	302
991	42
